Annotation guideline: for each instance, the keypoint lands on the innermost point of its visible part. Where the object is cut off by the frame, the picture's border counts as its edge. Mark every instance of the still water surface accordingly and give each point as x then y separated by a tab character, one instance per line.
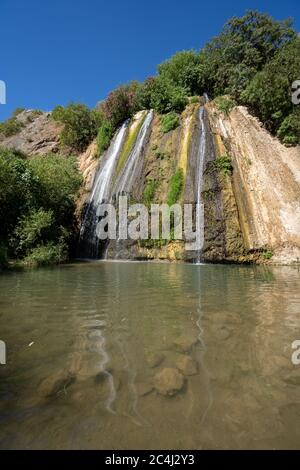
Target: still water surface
100	332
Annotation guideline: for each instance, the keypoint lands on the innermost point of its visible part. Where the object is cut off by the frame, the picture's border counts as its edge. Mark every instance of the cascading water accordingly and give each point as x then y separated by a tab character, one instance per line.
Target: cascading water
201	159
131	170
89	241
133	164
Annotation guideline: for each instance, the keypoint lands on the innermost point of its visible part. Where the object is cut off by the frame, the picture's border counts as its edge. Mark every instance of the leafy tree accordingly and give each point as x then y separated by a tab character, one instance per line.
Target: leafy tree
269	92
184	69
242	49
80	125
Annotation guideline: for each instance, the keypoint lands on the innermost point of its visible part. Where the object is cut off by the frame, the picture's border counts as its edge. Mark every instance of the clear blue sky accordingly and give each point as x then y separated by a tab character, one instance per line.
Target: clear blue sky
58	51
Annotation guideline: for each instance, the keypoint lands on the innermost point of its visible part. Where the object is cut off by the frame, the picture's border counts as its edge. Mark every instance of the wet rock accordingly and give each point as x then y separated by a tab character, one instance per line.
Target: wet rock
168	381
155	359
185	342
143	388
187	365
56	383
222	334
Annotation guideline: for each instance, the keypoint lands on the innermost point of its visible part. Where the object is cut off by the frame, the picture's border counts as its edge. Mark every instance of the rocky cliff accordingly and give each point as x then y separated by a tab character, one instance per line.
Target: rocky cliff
250	191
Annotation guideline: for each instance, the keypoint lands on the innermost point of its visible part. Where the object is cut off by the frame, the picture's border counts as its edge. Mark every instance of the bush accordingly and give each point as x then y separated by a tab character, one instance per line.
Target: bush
184	70
11	127
32	229
120	104
80	125
289	131
224	164
169	122
225	104
45	255
105	134
149	192
166	97
176	186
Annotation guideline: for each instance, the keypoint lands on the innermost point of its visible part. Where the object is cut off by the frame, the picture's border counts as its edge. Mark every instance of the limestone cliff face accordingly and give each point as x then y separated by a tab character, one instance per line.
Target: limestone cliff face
265	184
251	212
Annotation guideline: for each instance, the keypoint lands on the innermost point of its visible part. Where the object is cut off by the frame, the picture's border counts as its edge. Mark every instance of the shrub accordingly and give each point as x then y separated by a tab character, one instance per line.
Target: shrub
224	164
166	97
45	255
32	229
289	131
149	192
176	186
80	125
105	134
120	104
225	104
169	122
10	127
267	254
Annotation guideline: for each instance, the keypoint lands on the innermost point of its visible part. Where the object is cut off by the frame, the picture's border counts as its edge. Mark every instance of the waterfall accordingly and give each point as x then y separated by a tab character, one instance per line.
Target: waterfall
88	241
134	163
201	158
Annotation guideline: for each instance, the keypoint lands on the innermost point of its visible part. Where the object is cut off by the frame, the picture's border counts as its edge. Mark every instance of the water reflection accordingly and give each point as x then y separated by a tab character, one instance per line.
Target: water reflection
104	334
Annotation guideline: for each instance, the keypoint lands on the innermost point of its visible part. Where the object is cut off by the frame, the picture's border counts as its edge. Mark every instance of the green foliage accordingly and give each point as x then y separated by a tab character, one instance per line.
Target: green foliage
32	229
169	122
80	125
183	70
37	201
11	127
269	93
289	130
149	192
267	254
45	255
242	49
175	188
225	104
224	164
120	104
166	96
105	134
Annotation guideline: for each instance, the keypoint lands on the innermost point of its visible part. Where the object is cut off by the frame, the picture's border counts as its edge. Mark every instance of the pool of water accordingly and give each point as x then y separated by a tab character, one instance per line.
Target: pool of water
90	347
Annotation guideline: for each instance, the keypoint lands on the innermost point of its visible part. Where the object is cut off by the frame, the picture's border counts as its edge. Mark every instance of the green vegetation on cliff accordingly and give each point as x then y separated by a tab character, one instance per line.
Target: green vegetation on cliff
37	206
253	61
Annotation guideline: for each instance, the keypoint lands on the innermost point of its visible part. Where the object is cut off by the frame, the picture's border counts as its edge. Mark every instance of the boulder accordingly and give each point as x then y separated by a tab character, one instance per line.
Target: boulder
168	381
187	365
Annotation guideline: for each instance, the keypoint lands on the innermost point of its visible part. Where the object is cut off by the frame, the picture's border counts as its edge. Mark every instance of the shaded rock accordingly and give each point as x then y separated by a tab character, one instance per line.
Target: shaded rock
223	334
168	381
185	342
155	359
143	388
187	365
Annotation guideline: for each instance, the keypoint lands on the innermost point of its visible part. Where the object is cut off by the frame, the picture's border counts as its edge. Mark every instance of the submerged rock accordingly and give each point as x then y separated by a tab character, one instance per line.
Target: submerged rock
187	365
155	359
185	342
56	383
168	381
